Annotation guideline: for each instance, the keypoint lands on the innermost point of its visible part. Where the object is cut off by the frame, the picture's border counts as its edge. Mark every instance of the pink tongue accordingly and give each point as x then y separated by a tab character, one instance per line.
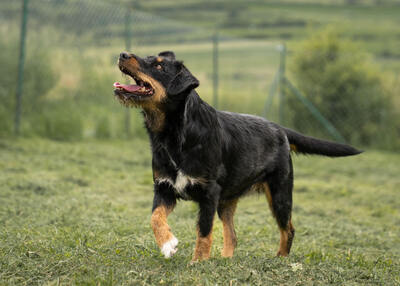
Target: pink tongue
127	87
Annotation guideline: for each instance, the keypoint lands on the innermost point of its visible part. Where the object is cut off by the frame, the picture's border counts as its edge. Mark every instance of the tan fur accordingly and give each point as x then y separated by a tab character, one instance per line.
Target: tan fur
159	59
293	147
159	224
286	235
131	64
268	195
230	240
286	240
283	249
154	116
156	174
159	90
203	247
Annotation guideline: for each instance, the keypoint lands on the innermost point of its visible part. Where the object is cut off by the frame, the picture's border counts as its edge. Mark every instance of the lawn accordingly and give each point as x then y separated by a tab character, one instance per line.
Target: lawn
78	213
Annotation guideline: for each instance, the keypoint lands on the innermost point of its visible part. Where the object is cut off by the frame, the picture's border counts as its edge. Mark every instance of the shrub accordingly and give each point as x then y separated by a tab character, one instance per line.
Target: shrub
343	84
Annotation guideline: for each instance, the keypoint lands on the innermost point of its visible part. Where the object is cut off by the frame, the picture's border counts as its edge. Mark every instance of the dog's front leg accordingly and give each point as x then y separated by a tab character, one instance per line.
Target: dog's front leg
208	207
163	204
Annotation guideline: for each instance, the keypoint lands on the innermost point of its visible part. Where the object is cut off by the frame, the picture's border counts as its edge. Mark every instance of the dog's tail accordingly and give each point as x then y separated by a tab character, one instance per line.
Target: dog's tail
309	145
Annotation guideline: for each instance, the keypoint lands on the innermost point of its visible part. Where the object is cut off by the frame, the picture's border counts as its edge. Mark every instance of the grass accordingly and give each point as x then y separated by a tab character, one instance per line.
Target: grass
78	213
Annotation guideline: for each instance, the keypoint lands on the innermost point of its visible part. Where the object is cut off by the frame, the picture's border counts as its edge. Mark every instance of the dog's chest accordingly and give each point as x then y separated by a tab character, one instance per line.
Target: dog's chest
171	173
180	183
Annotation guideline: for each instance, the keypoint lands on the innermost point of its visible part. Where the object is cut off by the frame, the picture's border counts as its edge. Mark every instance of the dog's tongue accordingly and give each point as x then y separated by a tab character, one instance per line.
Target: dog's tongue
127	87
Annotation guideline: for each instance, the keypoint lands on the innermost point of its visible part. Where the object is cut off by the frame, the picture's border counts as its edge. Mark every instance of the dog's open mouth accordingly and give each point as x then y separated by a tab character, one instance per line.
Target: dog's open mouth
140	89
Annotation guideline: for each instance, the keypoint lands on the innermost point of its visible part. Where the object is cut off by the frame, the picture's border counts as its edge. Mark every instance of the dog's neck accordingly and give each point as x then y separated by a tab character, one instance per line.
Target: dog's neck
166	122
154	119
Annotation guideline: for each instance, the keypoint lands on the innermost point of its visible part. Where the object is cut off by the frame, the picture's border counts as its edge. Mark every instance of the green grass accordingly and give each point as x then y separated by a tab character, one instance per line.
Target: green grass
78	213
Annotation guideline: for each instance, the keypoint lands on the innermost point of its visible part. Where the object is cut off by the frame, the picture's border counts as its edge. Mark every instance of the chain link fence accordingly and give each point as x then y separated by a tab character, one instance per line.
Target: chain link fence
67	68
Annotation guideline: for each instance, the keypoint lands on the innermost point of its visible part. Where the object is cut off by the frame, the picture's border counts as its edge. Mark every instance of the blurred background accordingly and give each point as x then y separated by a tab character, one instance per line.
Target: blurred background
326	68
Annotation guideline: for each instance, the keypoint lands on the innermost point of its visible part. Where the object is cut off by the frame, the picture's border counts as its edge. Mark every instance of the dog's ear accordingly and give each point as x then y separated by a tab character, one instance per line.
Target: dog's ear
183	82
167	54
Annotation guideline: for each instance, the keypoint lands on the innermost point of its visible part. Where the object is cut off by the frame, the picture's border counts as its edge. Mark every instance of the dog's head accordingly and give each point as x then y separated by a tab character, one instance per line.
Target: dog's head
159	80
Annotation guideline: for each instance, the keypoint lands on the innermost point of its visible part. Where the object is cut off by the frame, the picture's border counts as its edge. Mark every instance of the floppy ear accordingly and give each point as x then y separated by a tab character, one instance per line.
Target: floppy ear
167	54
183	82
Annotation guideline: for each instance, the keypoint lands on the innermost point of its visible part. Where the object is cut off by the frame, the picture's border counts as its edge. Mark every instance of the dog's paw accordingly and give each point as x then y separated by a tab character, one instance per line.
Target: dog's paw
169	248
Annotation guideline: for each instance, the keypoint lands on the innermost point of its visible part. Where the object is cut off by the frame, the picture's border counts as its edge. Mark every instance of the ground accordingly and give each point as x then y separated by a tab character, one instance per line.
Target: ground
79	213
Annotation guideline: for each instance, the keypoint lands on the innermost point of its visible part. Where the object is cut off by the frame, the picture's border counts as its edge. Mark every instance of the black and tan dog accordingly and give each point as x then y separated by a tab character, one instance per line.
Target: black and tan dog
211	157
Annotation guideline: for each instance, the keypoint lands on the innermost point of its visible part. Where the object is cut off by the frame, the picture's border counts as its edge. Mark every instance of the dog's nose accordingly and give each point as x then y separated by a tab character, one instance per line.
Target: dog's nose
124	56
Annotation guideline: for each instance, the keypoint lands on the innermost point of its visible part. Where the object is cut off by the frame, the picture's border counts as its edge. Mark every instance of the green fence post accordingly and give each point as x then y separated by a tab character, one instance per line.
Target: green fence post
215	70
21	62
282	67
128	49
272	91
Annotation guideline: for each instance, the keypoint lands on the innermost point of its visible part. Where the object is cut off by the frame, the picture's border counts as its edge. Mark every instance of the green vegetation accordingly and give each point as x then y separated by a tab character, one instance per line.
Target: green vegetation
67	92
39	78
373	24
78	213
344	86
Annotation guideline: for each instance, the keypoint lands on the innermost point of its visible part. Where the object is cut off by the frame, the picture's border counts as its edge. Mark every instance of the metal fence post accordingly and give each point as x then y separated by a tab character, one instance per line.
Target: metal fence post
21	62
215	70
128	48
282	67
272	91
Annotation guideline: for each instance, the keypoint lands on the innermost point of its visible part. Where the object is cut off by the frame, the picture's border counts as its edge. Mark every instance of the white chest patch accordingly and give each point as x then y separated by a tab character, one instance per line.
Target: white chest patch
181	182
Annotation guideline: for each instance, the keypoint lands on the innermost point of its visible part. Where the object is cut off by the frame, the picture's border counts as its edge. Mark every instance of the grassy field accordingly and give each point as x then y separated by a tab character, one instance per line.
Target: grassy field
78	213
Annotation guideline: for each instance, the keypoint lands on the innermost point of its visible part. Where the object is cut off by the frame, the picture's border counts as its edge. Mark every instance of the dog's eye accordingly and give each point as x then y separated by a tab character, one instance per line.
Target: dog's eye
159	67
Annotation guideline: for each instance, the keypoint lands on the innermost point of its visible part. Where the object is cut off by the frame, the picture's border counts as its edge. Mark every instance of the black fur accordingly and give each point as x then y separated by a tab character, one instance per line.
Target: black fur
228	153
310	145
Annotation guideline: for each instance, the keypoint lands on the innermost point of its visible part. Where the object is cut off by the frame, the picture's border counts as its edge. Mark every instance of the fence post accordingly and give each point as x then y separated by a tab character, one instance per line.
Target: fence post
272	91
21	62
128	48
282	67
215	70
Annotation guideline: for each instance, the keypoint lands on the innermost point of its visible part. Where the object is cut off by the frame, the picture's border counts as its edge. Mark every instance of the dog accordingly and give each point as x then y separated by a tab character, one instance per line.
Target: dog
211	157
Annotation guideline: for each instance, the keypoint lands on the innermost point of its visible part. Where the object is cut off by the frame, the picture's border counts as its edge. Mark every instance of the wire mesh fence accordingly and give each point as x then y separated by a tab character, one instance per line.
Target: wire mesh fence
69	66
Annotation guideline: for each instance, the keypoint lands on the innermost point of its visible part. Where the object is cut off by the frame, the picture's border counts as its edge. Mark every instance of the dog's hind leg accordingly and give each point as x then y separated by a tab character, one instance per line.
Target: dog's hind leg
163	204
226	210
208	208
278	191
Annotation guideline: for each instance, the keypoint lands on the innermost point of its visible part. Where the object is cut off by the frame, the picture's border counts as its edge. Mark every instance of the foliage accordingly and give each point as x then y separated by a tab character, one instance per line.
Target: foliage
343	84
39	79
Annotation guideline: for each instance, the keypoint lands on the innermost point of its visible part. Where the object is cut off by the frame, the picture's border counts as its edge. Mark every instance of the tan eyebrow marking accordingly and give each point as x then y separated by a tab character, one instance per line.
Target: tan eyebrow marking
159	59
